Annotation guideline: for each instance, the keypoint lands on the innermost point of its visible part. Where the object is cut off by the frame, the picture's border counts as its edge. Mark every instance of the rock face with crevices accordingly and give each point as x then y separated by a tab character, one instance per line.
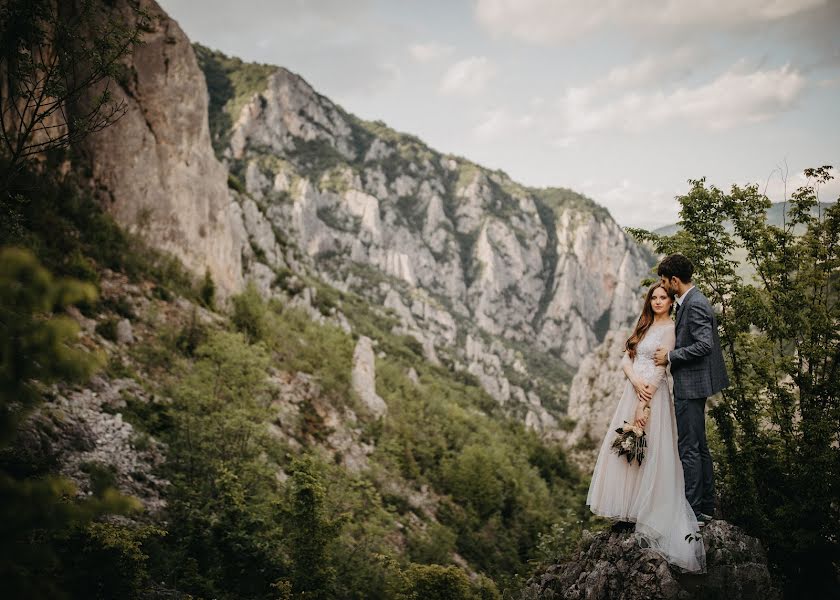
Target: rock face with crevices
613	566
154	169
514	285
593	398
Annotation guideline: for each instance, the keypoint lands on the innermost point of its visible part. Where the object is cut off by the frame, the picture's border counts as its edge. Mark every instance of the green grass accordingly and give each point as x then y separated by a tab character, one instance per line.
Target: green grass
231	83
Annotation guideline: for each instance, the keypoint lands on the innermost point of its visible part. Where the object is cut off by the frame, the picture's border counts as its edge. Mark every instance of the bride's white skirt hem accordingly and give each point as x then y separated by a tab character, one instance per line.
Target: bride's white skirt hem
652	494
649	542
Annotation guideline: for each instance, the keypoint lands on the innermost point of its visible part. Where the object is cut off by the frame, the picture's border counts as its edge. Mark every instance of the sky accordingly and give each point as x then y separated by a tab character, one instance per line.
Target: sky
621	100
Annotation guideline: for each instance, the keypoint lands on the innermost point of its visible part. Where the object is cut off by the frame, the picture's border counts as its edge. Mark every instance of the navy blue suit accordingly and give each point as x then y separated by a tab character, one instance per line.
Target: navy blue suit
698	370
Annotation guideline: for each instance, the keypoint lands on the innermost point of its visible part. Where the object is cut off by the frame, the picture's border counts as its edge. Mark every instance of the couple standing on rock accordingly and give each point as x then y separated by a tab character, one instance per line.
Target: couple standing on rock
667	499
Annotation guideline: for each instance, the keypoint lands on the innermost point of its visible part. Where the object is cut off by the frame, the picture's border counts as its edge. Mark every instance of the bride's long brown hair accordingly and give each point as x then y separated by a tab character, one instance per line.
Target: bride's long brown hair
645	320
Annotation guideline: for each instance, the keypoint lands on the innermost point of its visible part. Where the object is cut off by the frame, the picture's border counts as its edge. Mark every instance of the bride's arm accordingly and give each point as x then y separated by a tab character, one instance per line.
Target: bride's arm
643	410
668	342
643	393
638	384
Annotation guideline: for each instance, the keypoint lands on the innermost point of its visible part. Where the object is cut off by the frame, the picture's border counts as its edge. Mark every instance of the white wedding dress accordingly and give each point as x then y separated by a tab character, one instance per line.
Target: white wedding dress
651	494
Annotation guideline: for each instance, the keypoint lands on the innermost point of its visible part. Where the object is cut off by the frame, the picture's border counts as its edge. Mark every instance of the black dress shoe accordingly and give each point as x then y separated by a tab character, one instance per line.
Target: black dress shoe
622	527
703	519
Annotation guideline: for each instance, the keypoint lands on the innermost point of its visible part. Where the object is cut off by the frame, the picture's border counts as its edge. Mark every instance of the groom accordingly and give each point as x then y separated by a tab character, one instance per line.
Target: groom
698	371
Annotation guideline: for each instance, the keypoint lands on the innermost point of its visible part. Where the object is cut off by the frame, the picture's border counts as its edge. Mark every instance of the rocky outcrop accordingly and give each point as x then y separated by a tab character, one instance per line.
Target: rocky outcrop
82	432
154	168
593	398
364	377
613	566
336	433
287	105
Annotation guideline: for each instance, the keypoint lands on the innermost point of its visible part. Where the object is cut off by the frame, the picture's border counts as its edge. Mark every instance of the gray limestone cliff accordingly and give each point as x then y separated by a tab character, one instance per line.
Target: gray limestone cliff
593	398
512	284
154	168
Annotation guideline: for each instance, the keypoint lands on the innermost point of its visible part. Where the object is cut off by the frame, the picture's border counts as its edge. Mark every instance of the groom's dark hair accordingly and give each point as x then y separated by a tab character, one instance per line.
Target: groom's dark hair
676	265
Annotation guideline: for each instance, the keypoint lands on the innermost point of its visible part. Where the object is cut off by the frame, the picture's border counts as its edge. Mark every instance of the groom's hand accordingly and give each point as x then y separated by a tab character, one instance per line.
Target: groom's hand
660	358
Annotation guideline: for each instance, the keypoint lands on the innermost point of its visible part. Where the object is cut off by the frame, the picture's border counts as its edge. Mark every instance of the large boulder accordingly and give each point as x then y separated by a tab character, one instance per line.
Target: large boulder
614	566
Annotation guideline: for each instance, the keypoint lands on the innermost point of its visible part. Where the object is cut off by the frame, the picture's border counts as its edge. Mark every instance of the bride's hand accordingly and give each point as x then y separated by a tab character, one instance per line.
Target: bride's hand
644	391
642	414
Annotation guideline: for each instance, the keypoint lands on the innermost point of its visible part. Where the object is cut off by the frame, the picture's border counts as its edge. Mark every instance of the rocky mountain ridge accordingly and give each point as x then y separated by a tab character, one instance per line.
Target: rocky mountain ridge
776	215
512	285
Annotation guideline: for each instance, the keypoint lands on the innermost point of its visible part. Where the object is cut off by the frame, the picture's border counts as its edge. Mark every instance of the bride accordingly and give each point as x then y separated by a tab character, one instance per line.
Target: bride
651	494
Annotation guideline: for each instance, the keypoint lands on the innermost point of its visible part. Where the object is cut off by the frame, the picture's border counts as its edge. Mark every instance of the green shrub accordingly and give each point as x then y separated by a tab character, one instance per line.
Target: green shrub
235	183
102	476
107	329
310	531
207	293
192	335
81	267
250	313
435	544
436	582
116	553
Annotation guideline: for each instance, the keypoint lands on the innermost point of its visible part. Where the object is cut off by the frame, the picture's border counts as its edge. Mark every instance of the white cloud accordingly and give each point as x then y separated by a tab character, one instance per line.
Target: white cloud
468	76
632	204
735	97
653	69
500	123
780	185
550	21
564	141
429	52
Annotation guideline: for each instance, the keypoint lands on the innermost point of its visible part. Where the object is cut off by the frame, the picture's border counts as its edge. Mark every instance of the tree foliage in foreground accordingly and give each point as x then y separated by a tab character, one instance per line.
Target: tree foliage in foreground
49	539
52	55
779	421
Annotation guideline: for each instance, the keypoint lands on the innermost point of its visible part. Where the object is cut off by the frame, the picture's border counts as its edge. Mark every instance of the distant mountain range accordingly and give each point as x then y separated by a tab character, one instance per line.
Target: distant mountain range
775	216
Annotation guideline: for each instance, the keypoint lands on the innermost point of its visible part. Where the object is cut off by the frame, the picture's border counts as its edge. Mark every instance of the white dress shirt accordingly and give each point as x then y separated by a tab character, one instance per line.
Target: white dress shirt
679	301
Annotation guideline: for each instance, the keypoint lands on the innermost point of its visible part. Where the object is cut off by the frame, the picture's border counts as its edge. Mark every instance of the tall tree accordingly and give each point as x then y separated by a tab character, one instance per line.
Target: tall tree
779	421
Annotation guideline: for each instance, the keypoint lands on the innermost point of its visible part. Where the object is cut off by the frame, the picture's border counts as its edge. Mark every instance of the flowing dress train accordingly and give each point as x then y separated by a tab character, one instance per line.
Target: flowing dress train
651	494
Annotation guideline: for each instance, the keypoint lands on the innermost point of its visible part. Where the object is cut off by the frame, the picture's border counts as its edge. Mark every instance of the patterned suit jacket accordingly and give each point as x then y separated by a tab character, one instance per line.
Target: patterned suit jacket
697	361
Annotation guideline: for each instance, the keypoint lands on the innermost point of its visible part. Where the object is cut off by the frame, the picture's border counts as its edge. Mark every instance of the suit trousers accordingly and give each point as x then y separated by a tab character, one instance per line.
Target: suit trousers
694	454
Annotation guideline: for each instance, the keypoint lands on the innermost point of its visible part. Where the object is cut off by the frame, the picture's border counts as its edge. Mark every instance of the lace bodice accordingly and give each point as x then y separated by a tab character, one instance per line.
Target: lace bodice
643	365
